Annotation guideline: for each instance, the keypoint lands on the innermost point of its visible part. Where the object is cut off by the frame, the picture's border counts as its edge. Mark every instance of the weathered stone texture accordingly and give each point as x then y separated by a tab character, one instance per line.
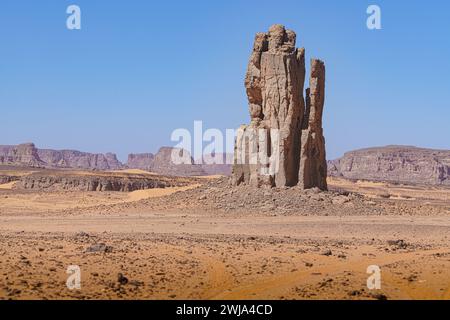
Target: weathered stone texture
313	165
24	154
78	159
28	155
399	164
141	161
268	150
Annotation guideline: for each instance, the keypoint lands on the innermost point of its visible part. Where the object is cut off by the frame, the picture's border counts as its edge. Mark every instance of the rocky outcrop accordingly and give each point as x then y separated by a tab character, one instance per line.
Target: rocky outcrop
74	182
28	155
78	159
163	163
399	164
24	154
143	161
4	178
268	151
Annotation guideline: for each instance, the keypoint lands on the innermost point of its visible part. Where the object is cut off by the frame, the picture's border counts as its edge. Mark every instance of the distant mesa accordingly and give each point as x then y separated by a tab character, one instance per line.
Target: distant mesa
78	159
161	163
143	161
399	164
24	154
29	156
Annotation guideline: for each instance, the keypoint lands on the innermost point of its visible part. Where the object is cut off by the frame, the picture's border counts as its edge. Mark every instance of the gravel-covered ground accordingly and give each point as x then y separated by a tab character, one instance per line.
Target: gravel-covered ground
215	241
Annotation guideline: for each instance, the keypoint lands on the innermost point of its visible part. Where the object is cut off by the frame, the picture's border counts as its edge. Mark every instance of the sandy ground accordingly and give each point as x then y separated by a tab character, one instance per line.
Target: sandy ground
176	253
7	186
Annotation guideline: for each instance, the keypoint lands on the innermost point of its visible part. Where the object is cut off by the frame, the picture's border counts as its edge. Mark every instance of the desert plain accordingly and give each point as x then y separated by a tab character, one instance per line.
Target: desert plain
201	238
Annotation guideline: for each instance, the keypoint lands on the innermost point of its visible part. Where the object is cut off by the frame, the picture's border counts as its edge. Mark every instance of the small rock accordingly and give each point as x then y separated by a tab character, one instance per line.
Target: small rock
122	279
82	234
340	200
354	293
401	244
412	278
100	247
379	296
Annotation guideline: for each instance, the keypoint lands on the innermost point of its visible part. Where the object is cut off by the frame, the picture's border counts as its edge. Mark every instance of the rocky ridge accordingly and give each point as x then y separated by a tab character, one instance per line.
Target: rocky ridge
399	164
53	180
28	155
24	154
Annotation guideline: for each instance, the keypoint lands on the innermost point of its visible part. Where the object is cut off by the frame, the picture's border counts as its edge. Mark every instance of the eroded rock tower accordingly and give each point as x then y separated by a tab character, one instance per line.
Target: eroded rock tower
283	145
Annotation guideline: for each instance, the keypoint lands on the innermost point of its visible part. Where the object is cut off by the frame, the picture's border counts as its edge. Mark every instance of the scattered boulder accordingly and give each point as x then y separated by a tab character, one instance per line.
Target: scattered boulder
99	247
122	279
399	244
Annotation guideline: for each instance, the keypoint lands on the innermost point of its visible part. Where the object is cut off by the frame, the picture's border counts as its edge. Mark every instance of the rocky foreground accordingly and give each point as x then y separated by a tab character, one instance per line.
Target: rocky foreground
219	197
208	239
215	242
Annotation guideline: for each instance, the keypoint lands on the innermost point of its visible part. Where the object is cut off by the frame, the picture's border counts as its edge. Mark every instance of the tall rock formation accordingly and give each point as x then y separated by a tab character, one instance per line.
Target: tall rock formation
268	151
313	164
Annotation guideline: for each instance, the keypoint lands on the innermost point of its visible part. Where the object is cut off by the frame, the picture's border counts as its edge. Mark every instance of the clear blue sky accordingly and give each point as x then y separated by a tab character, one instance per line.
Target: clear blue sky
139	69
